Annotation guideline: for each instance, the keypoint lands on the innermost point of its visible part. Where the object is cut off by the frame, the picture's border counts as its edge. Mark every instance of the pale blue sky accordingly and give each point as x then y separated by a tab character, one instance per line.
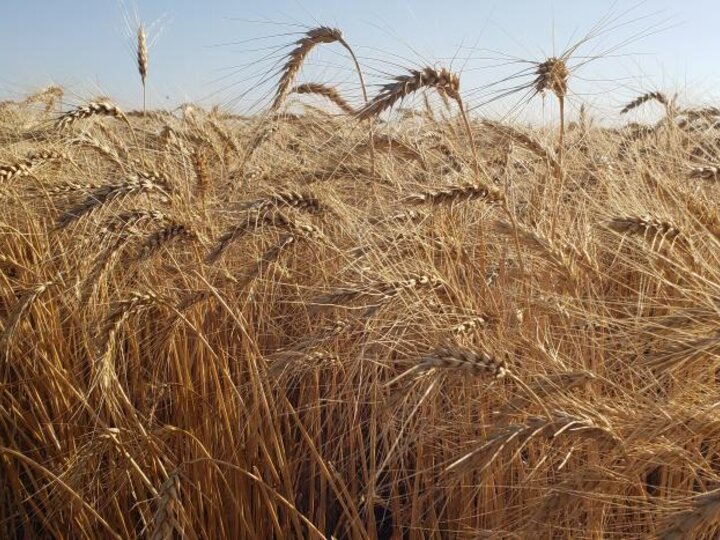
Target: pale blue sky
85	46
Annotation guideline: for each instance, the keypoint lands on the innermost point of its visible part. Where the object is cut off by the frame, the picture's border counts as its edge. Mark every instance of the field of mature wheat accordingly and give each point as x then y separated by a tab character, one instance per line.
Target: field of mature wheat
331	322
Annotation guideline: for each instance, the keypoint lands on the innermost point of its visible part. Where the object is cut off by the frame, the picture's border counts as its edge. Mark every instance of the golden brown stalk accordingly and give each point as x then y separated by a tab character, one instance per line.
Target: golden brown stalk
95	108
404	85
409	215
635	103
327	92
226	137
395	146
563	255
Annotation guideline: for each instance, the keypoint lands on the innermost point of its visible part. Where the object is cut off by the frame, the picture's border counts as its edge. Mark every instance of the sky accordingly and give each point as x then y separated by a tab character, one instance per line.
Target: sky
226	51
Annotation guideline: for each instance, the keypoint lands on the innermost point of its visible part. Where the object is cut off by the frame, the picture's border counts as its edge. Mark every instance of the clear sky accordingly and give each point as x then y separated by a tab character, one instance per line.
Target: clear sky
85	45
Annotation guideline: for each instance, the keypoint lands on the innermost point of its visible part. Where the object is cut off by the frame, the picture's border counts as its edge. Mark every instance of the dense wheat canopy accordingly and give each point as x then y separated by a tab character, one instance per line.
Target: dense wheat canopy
353	323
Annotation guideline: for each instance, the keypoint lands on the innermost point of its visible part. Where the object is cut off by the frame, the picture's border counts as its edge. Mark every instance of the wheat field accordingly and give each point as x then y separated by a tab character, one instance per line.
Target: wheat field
338	320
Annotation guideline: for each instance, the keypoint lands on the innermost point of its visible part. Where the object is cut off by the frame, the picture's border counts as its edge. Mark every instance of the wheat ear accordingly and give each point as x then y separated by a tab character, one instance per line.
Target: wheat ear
142	60
328	92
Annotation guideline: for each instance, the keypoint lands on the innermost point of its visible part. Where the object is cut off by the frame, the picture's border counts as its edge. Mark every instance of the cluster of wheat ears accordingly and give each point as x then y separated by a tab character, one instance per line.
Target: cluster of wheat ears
339	323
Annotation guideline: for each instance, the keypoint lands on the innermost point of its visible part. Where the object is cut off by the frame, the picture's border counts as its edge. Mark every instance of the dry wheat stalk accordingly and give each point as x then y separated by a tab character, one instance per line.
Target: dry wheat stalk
103	149
96	108
565	256
635	103
684	354
226	137
327	92
394	145
552	74
126	220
